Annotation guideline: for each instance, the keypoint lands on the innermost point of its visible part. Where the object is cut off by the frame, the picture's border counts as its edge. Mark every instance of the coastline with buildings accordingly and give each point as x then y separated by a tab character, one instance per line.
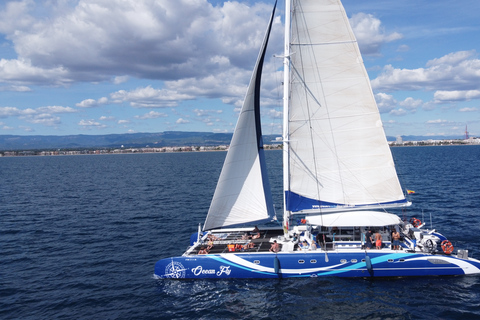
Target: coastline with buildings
170	149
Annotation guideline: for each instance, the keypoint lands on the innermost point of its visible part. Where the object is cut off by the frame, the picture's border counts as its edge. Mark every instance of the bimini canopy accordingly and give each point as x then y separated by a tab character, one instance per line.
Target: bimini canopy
354	219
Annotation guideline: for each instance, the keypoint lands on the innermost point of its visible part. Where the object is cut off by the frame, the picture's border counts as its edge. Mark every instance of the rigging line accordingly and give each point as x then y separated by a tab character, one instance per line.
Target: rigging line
305	86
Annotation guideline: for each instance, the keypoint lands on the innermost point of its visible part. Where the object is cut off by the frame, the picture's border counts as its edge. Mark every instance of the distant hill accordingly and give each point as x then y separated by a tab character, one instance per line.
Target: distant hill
128	140
137	140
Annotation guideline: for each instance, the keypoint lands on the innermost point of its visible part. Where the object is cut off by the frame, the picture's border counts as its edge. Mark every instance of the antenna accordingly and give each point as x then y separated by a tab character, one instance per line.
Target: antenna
466	133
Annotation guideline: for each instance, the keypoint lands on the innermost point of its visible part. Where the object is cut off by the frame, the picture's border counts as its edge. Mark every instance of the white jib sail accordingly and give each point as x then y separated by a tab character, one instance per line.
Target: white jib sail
243	192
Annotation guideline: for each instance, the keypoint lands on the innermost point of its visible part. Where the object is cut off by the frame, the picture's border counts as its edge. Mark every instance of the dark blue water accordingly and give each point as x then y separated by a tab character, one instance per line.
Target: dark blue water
79	237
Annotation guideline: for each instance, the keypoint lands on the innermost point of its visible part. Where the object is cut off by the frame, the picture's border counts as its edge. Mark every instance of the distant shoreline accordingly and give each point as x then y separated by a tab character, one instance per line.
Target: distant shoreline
100	151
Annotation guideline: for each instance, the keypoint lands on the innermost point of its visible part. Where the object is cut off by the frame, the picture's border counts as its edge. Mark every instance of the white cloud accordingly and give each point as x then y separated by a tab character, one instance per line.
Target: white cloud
454	71
388	104
90	103
22	71
370	34
105	118
468	109
90	40
385	102
15	88
6	112
149	97
206	113
29	112
15	16
43	115
120	79
437	121
55	109
182	121
90	124
398	112
275	114
411	104
151	115
456	95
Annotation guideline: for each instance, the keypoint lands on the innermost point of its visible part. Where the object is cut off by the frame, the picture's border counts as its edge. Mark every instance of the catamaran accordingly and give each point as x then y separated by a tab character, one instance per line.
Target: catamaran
339	176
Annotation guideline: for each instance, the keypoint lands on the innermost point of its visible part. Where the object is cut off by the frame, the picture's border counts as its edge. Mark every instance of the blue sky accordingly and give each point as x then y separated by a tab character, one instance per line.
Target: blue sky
119	66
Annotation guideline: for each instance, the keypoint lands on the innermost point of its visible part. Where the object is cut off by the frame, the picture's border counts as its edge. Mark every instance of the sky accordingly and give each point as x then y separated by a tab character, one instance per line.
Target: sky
93	67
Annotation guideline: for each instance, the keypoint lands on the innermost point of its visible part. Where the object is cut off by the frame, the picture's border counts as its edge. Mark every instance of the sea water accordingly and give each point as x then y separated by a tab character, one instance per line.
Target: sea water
79	237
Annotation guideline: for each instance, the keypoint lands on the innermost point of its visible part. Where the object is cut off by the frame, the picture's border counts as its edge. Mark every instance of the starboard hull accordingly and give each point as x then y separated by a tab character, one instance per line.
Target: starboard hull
314	264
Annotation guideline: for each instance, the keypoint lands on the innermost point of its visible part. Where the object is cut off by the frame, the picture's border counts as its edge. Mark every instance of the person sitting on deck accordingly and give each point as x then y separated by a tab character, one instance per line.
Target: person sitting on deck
249	245
313	246
202	251
275	247
210	245
257	233
212	237
303	245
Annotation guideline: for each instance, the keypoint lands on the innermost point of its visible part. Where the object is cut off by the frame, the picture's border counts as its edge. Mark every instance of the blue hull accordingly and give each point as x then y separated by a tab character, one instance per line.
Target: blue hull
314	264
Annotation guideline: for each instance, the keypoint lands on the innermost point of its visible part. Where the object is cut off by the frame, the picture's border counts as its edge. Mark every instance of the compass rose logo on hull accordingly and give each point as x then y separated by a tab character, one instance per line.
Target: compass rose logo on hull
175	270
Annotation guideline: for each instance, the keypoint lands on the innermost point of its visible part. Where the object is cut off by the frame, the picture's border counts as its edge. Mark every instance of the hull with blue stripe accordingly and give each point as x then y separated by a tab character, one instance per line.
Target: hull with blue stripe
314	264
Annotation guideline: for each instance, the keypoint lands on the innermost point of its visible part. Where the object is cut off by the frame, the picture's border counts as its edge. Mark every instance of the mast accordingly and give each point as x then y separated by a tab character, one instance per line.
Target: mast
286	133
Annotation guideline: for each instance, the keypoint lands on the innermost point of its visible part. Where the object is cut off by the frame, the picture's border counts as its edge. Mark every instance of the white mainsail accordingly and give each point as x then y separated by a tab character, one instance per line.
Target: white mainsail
338	155
243	192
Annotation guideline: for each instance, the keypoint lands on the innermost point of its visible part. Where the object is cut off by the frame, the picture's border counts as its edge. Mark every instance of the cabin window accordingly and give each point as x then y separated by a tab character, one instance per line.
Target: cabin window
301	261
353	260
343	261
390	260
313	261
256	261
363	260
401	260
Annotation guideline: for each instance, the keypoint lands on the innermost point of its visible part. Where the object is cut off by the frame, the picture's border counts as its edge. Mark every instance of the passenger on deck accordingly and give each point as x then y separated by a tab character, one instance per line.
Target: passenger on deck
368	239
396	240
313	246
256	232
202	251
378	240
275	247
303	245
210	245
320	239
212	237
249	245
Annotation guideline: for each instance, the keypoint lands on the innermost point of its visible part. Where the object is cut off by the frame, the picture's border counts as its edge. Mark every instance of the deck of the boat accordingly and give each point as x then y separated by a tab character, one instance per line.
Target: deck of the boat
221	245
263	244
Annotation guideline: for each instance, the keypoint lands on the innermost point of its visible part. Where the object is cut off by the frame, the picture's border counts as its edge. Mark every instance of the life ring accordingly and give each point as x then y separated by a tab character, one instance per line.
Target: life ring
447	247
415	222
